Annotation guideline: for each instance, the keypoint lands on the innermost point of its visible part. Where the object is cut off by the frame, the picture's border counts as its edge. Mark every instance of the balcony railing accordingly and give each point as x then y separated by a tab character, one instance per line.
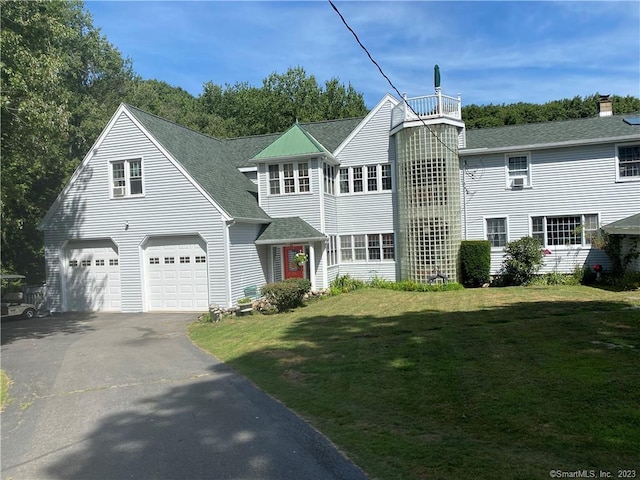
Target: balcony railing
426	107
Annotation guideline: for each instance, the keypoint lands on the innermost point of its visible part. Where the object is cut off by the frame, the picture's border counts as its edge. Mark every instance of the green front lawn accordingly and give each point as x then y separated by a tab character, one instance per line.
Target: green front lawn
485	383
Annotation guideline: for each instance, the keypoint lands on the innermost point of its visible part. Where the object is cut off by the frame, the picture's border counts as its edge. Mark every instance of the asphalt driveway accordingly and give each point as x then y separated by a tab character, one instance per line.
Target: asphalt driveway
127	396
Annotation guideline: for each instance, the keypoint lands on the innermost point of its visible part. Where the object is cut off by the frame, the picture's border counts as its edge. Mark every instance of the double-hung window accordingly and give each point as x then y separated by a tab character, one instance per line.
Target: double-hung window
126	178
629	162
385	170
332	250
565	230
344	180
274	179
329	179
497	231
372	178
518	170
358	185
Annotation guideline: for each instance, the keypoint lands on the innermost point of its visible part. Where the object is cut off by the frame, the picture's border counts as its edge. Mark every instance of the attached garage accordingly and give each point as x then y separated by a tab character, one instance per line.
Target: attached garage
92	275
176	273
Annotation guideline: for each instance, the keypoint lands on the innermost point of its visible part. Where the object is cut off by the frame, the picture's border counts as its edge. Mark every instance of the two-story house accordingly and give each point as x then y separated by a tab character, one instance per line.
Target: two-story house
159	217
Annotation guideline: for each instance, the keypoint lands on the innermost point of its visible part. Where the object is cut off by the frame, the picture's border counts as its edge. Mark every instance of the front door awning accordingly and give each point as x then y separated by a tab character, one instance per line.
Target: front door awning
289	230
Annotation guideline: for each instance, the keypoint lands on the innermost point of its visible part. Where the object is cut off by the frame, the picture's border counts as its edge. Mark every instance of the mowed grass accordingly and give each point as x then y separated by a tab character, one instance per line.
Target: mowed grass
5	383
486	383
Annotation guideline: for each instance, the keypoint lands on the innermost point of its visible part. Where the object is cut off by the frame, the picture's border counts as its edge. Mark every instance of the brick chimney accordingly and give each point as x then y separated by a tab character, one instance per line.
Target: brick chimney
605	107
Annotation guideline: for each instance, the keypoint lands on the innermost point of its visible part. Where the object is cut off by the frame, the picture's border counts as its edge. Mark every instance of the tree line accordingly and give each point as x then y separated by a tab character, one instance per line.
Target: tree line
62	80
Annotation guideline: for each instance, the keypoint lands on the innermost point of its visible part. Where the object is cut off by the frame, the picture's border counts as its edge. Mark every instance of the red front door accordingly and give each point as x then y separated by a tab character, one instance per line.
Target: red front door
291	268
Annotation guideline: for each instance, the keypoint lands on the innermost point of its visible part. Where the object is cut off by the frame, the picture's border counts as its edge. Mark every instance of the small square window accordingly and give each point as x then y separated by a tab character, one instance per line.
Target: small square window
113	262
201	259
85	263
100	263
154	260
169	260
73	263
185	259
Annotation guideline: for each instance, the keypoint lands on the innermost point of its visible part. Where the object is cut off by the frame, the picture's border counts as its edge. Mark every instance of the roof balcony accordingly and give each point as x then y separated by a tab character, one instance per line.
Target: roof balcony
428	107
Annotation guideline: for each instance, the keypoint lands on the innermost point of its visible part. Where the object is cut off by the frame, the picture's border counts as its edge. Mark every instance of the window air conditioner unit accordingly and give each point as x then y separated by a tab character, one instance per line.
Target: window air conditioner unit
119	191
518	182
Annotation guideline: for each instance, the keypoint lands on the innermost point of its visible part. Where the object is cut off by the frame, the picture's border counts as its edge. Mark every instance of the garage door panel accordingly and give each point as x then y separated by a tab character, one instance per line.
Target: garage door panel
92	276
178	280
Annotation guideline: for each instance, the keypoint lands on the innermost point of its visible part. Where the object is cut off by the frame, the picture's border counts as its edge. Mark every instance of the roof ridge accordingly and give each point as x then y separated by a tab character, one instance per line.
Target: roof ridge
172	122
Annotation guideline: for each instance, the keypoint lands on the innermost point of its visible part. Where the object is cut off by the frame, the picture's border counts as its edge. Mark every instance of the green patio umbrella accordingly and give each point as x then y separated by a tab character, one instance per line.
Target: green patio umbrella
436	76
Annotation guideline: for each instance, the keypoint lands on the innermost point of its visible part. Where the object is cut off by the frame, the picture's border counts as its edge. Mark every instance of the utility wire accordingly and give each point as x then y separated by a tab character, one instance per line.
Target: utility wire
355	35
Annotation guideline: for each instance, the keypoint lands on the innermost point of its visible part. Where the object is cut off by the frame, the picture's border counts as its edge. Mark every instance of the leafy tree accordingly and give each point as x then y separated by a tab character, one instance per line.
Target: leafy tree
60	83
486	116
282	100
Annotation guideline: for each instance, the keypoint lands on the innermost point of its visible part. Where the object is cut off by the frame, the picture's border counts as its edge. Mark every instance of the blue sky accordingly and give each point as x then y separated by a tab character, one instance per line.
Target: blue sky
490	52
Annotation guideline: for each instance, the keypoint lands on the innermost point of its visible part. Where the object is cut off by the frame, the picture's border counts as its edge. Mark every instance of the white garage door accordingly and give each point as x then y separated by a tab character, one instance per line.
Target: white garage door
92	276
176	274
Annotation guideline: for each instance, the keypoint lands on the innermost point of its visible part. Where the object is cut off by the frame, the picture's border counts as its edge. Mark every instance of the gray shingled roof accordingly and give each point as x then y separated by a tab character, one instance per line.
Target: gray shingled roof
206	160
288	230
580	130
625	226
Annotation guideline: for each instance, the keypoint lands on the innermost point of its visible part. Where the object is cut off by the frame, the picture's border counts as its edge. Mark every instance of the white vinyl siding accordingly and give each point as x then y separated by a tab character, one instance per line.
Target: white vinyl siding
245	258
568	181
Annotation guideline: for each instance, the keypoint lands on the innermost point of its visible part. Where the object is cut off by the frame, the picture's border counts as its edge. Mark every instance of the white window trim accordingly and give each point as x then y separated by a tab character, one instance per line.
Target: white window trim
527	178
127	178
620	179
506	226
565	247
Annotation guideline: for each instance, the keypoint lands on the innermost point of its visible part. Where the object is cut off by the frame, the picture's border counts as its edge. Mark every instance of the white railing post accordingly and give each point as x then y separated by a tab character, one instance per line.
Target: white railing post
459	106
439	105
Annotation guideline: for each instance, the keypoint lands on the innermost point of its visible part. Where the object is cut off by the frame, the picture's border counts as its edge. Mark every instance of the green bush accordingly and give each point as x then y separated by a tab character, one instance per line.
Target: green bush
475	262
523	259
287	294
